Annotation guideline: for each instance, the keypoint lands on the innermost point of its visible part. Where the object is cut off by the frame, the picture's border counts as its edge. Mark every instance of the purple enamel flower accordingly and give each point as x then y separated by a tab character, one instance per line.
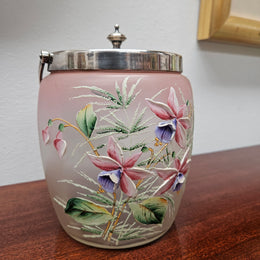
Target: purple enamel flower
178	182
165	131
109	180
173	177
171	111
117	170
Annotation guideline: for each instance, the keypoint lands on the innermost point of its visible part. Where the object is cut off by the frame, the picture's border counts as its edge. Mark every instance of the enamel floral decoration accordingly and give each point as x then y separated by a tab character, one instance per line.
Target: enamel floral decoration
116	133
45	135
132	176
174	177
118	170
175	114
60	144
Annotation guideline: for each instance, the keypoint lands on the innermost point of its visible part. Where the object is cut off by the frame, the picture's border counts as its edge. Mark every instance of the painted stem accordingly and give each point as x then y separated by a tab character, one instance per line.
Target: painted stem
117	220
78	130
68	124
137	185
112	213
160	159
152	160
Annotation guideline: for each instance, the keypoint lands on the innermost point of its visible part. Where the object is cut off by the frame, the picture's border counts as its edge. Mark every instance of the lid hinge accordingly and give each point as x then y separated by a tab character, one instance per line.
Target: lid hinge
45	57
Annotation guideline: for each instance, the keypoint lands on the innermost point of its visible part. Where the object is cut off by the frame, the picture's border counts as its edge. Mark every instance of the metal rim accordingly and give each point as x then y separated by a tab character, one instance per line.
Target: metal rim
114	59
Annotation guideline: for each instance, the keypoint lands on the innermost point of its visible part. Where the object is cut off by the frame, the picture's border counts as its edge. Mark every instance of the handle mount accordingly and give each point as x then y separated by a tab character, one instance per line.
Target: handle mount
45	57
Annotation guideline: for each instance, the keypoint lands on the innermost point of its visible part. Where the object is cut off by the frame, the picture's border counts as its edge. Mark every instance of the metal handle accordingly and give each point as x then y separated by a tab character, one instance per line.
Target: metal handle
45	57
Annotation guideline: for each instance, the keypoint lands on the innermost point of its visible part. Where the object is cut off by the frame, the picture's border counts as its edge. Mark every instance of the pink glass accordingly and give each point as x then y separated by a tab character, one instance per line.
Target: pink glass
116	149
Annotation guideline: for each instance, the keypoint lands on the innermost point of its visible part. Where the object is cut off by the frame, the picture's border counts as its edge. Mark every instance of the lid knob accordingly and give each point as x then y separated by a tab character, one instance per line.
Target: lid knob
116	37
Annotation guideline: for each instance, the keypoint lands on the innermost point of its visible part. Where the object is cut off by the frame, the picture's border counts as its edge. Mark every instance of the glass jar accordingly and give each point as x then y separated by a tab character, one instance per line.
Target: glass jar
116	130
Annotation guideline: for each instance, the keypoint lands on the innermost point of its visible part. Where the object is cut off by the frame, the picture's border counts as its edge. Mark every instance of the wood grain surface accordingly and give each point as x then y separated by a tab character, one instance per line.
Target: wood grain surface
219	217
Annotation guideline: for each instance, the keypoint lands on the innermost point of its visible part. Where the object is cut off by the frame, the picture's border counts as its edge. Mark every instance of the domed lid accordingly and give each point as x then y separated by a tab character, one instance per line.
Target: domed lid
111	59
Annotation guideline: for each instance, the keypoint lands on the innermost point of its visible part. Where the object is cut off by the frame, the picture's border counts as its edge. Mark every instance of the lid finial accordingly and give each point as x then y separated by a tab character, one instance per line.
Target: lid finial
116	37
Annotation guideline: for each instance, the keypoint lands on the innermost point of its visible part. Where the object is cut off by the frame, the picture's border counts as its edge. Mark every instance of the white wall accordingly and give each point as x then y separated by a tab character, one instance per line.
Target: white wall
225	78
248	9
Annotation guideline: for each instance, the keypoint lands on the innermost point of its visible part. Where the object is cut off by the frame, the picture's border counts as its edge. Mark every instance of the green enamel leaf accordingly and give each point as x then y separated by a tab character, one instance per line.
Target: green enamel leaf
128	238
100	146
132	148
61	127
86	212
119	94
91	230
105	94
100	198
131	94
50	122
150	211
145	149
86	120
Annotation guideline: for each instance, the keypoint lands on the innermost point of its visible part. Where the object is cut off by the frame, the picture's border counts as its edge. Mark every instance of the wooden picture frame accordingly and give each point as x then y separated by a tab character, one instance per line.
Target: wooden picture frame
216	24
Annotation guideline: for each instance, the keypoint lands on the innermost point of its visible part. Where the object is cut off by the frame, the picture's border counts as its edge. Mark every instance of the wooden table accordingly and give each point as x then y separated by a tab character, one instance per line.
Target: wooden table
219	217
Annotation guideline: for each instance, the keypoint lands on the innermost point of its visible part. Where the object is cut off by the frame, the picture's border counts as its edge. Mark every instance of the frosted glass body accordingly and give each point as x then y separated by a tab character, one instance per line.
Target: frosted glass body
116	149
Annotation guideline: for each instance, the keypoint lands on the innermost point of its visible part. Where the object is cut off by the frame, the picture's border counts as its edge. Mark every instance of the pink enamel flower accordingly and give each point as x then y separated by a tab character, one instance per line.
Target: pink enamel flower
117	170
60	144
175	115
173	177
45	135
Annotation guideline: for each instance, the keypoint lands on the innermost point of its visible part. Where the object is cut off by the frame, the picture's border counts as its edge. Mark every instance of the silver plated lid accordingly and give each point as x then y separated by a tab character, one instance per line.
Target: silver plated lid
111	59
